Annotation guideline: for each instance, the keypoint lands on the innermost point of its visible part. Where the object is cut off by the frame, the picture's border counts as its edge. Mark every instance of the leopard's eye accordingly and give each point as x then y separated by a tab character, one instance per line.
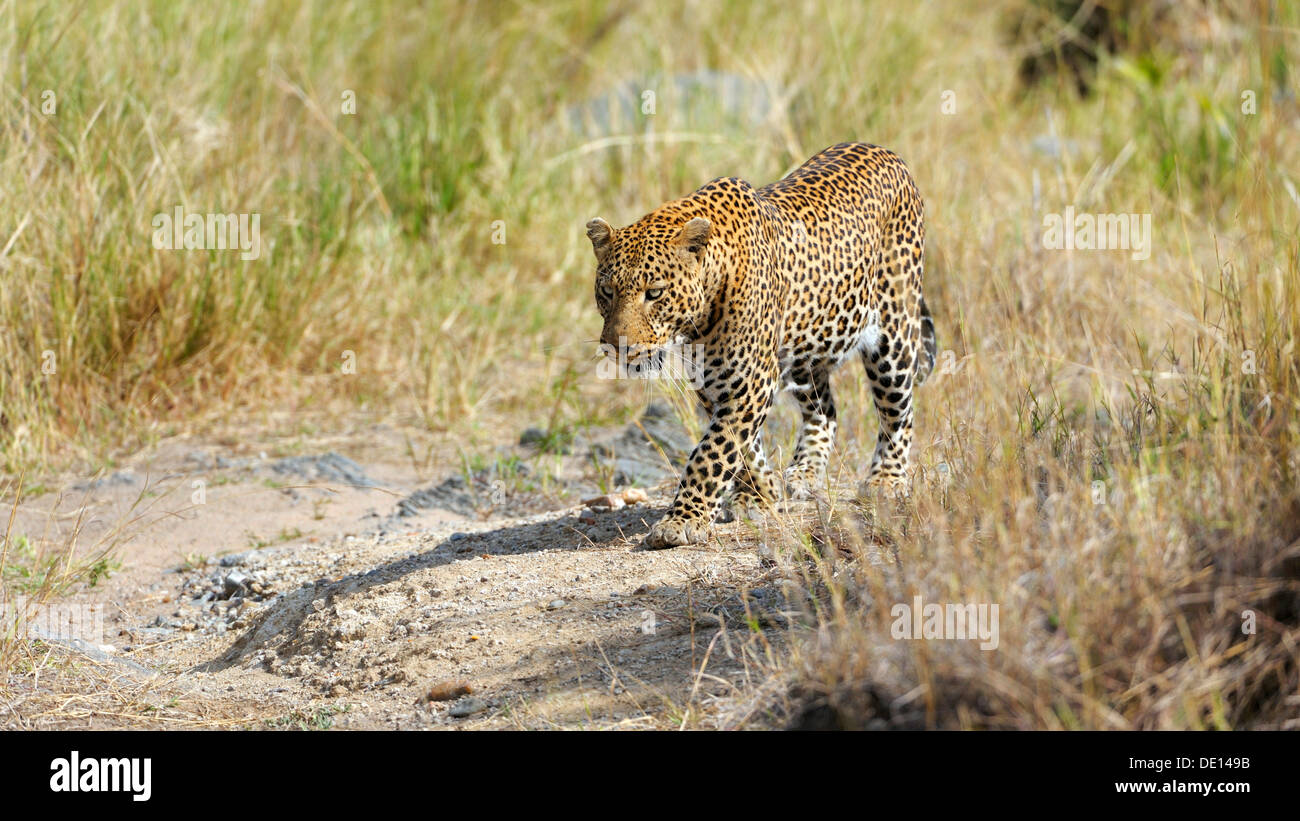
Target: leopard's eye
654	293
607	292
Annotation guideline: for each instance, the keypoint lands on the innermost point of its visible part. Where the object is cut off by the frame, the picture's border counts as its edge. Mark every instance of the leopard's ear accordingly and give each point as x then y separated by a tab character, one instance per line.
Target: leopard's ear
694	236
600	233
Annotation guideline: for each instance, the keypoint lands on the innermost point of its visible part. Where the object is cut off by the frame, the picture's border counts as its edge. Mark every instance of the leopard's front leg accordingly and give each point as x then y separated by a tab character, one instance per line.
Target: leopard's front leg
731	449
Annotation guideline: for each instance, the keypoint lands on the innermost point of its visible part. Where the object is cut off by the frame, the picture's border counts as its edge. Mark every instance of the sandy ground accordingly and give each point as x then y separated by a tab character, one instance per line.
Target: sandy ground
339	587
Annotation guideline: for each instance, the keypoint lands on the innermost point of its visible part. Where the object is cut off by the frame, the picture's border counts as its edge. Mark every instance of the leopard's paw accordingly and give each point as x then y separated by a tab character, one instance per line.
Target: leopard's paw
895	487
737	512
798	490
749	505
801	485
672	531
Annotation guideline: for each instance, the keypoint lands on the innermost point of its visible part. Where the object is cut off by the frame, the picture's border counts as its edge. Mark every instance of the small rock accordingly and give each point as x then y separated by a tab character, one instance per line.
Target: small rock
235	582
532	436
612	501
467	707
199	459
117	479
635	494
447	691
556	605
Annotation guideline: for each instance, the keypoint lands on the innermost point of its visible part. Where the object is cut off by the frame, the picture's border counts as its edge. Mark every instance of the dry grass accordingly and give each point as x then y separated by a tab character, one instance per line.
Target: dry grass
37	570
1063	370
53	688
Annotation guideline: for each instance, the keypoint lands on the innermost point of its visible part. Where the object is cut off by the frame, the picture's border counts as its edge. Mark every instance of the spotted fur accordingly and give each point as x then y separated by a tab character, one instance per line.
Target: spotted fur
778	285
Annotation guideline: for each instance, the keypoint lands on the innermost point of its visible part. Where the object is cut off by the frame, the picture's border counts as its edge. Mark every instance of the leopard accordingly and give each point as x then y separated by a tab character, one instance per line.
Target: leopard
775	287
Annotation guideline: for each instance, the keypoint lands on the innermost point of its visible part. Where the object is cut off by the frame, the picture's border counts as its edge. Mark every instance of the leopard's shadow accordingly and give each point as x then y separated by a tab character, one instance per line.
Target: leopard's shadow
283	618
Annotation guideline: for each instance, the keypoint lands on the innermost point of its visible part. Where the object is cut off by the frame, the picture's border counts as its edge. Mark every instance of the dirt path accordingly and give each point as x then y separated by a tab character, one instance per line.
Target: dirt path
315	590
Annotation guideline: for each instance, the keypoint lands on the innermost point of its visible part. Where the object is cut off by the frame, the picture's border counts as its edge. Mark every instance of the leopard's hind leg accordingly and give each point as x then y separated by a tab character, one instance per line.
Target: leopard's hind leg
929	345
904	352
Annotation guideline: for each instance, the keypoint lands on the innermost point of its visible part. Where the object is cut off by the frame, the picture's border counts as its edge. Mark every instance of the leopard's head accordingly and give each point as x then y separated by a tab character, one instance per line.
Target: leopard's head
650	286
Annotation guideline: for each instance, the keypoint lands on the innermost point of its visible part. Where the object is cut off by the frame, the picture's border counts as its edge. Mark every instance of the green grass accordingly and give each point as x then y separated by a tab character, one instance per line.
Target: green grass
29	569
322	718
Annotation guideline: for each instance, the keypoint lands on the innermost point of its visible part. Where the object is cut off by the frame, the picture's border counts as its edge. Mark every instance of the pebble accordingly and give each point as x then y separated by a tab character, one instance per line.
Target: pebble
235	582
467	707
448	691
532	436
556	605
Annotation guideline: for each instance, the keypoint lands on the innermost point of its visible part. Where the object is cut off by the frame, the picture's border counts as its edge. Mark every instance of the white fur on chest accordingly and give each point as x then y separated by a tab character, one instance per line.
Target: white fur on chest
866	342
869	338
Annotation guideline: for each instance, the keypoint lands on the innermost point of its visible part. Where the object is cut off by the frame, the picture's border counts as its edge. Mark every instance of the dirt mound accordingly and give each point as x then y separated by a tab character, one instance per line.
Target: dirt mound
370	602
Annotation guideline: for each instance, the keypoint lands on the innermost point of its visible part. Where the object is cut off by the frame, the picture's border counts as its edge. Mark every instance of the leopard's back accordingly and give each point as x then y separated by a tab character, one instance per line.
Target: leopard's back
852	227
